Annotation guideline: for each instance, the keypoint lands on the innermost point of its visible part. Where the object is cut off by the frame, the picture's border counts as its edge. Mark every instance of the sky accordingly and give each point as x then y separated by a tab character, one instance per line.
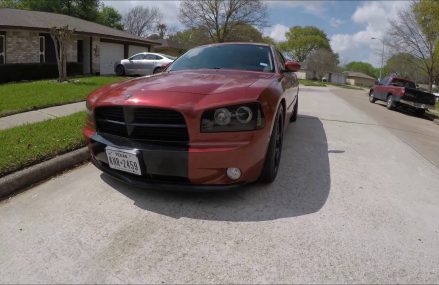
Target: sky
350	25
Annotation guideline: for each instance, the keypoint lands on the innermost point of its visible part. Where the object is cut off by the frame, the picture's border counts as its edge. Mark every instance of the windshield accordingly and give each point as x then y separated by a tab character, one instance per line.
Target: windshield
403	83
230	56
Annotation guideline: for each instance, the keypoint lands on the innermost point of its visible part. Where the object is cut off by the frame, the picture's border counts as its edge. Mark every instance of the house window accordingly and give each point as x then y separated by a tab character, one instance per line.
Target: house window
42	49
2	49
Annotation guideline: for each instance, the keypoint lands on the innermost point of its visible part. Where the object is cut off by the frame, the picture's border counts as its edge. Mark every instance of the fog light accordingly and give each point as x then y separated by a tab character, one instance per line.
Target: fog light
233	173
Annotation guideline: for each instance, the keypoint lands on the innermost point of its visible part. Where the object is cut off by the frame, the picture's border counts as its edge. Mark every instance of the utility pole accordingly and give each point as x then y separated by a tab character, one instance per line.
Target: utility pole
382	56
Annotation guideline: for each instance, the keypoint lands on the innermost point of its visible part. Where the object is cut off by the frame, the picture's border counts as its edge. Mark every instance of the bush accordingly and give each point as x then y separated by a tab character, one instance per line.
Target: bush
35	71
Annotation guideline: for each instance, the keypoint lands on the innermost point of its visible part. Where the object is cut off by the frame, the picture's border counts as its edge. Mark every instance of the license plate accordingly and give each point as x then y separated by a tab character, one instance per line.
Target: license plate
124	160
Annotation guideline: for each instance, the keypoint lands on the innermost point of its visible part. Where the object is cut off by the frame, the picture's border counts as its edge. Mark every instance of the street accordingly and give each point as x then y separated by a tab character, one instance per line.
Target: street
356	201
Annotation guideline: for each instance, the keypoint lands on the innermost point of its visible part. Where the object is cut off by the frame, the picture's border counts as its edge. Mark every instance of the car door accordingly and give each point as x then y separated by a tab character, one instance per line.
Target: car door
131	67
288	83
148	64
380	90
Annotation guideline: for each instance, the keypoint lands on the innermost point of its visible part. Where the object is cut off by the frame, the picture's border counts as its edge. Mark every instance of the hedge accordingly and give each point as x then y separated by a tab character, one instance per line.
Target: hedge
35	71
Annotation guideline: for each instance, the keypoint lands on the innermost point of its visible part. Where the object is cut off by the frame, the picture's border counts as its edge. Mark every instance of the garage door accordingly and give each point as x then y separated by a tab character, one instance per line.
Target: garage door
132	50
110	54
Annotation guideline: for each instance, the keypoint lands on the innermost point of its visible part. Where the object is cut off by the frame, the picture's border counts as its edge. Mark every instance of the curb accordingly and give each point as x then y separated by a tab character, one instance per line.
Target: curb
39	172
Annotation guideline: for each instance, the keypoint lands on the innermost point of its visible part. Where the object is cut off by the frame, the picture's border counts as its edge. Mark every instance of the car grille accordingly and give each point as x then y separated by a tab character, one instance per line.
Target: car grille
150	124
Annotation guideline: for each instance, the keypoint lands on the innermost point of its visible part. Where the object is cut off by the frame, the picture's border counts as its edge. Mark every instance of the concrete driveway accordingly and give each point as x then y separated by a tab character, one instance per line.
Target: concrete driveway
353	203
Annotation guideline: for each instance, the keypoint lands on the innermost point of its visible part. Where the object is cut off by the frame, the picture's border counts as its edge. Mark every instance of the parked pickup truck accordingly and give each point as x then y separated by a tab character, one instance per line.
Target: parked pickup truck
399	91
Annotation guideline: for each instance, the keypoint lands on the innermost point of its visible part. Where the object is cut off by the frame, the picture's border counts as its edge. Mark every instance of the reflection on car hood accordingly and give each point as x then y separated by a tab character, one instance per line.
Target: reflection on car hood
183	87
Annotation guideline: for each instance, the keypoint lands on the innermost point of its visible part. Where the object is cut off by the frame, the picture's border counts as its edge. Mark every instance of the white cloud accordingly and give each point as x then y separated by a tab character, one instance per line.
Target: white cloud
334	22
277	32
375	17
316	8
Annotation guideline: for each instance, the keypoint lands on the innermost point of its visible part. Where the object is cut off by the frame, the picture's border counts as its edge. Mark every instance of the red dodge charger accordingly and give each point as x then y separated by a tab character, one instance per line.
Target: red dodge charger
214	119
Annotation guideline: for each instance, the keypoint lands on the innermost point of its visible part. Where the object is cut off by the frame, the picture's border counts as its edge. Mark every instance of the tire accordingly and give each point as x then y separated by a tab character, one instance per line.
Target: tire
296	109
390	105
157	70
120	70
274	151
420	112
371	97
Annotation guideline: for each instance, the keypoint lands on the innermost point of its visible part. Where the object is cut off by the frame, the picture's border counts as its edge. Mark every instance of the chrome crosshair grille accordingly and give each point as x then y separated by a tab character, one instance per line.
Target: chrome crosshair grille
140	123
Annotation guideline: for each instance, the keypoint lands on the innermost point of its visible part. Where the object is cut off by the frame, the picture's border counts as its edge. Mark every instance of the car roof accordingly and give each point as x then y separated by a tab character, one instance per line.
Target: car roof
402	78
236	43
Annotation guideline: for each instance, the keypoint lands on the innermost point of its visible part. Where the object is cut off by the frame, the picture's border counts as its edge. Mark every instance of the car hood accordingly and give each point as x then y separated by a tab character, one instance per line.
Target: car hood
181	87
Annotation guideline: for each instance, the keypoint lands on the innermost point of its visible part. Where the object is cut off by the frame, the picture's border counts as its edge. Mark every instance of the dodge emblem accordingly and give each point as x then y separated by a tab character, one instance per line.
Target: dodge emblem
128	96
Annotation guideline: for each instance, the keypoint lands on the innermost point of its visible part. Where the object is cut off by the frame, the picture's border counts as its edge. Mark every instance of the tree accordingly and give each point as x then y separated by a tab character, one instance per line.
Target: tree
415	32
161	29
61	36
321	62
108	16
90	10
302	41
363	67
192	37
83	9
220	18
244	33
402	65
140	20
269	40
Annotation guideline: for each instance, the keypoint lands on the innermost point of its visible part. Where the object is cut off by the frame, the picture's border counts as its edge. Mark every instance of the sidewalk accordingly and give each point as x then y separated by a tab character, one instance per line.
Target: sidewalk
40	115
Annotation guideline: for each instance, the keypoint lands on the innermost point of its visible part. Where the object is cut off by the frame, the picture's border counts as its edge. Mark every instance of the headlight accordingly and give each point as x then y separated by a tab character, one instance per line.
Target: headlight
244	117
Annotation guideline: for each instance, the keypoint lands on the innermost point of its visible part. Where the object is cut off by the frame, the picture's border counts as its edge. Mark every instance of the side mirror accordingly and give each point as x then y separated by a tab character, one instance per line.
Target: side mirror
292	66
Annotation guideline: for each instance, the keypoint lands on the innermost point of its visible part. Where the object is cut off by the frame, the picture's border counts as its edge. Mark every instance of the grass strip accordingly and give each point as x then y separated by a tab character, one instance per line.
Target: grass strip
21	97
33	143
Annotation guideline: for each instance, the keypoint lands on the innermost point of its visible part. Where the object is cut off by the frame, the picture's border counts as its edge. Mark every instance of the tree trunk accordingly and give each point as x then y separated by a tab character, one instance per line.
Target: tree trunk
58	60
430	83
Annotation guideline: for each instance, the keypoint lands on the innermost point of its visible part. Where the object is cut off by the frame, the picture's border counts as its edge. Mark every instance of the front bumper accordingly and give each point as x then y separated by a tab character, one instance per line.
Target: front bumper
194	167
417	105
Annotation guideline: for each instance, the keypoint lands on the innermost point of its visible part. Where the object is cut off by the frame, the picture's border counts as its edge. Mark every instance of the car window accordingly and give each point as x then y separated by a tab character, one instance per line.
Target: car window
139	56
230	56
150	56
158	57
384	81
402	83
168	56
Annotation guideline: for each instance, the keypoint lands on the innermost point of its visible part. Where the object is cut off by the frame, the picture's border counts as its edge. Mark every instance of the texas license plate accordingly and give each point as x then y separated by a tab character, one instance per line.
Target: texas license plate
123	159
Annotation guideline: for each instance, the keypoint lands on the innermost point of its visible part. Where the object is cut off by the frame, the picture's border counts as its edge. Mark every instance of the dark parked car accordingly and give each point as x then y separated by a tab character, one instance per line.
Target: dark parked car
398	91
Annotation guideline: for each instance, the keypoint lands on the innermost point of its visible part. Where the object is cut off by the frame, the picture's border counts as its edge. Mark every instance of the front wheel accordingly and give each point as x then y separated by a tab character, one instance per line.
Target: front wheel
120	70
371	97
390	105
274	151
157	70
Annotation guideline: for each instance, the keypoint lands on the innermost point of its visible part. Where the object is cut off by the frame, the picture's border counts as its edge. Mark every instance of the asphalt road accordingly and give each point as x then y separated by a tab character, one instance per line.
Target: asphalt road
356	201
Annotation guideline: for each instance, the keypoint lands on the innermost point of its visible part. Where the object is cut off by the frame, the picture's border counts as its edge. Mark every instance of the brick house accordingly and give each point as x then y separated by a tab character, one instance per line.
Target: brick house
25	39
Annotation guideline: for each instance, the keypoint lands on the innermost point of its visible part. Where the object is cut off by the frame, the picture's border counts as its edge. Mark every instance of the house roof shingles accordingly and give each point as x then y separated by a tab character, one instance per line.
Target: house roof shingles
25	19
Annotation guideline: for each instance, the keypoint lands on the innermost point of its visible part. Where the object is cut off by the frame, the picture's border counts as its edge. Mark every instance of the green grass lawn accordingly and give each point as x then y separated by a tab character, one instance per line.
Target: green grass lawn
30	144
20	97
308	82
